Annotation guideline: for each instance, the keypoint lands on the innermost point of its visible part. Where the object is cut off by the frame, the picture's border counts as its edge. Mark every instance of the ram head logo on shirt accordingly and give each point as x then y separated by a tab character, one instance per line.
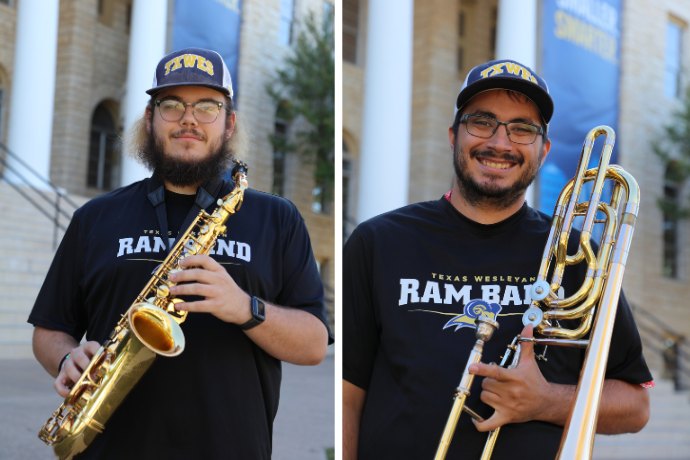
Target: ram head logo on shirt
474	309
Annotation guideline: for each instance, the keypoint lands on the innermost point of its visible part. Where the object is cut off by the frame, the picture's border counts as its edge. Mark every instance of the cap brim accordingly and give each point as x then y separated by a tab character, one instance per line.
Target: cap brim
536	93
218	88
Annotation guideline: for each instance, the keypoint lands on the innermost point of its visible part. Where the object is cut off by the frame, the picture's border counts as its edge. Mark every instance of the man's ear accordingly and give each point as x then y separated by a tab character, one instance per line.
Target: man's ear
546	148
451	138
232	119
148	116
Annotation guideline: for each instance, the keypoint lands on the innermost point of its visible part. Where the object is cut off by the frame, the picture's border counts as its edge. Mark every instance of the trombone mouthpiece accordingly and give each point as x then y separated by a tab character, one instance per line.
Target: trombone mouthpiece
485	328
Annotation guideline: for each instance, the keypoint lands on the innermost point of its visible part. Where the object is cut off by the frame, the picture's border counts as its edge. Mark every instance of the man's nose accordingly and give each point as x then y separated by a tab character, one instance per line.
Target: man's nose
500	140
188	117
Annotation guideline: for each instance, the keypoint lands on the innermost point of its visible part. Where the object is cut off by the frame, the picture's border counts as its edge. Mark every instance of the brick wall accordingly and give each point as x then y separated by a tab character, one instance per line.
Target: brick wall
643	111
91	68
261	55
8	25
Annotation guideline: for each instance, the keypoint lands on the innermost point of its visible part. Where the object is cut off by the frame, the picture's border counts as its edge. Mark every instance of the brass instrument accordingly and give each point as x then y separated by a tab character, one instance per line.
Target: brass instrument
150	327
601	288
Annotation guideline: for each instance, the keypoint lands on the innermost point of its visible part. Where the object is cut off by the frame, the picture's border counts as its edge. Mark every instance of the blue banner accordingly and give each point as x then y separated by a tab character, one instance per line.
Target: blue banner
210	24
581	63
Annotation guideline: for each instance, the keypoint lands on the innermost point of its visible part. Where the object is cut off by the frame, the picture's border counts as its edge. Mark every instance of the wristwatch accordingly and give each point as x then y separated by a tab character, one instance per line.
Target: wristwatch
258	314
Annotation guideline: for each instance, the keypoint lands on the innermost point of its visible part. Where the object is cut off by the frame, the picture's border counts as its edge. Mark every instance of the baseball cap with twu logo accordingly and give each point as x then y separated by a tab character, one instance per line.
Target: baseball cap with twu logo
511	75
192	66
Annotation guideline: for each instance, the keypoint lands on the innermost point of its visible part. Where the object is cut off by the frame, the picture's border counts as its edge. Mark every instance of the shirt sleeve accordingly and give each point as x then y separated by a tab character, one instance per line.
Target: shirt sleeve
60	302
361	335
302	284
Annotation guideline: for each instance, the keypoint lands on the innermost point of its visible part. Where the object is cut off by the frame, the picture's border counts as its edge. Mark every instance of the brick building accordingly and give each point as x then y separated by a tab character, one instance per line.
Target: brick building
447	39
95	42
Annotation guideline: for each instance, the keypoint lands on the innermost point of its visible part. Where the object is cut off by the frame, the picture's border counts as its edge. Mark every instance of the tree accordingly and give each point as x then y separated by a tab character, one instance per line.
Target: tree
673	148
304	88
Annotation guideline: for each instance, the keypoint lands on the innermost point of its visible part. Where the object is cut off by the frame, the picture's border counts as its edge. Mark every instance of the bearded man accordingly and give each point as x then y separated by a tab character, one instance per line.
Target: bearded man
408	324
256	300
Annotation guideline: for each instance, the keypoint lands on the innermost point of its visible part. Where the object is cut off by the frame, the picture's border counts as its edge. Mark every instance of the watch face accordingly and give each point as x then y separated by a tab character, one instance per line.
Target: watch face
258	309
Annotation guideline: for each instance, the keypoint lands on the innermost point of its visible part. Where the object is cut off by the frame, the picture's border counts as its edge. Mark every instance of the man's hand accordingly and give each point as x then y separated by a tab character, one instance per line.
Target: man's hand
79	359
223	297
288	334
518	395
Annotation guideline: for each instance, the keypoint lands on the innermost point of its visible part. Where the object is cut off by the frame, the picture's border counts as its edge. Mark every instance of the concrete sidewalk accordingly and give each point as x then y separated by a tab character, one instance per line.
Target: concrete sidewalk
303	428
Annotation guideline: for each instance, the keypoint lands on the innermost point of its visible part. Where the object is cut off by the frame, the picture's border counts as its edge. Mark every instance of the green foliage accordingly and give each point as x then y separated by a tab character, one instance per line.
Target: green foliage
673	149
304	88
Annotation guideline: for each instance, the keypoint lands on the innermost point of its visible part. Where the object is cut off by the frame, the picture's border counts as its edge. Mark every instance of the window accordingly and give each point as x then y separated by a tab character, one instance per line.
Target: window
350	30
287	8
280	137
103	170
671	246
672	59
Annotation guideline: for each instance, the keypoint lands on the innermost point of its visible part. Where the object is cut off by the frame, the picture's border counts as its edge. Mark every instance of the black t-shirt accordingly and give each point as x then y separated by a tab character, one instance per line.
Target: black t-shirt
407	275
219	397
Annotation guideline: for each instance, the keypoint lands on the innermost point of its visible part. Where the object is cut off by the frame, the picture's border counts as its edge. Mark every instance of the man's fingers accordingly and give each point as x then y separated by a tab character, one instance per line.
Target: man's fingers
78	359
91	348
61	387
72	372
492	371
491	423
526	348
194	274
201	261
198	306
203	290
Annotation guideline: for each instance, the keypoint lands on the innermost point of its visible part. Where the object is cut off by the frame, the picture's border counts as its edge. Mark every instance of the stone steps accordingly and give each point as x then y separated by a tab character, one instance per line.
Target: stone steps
666	436
26	245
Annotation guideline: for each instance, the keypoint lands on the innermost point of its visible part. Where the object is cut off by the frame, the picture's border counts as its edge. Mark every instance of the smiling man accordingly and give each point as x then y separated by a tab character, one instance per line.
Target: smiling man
408	315
255	301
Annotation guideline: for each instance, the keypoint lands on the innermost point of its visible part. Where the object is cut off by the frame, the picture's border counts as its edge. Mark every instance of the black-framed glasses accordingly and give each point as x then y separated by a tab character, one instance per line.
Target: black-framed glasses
485	127
203	111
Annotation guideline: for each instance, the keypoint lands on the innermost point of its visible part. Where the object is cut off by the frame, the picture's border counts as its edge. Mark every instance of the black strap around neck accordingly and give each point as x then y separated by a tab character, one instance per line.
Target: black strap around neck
205	196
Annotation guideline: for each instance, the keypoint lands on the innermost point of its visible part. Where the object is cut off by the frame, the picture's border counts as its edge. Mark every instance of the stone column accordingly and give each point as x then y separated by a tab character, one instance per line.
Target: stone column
516	39
33	87
385	150
147	41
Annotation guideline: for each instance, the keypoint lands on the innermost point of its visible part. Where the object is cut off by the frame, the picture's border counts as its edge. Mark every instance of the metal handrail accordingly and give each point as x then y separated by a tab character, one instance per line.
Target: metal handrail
57	210
660	332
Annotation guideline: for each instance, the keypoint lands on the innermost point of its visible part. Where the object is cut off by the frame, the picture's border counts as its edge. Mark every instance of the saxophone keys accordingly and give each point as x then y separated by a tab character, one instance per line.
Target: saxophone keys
162	291
203	230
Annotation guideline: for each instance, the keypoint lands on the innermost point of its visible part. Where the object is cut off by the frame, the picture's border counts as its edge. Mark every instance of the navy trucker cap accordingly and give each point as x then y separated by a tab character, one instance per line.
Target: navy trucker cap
506	74
192	66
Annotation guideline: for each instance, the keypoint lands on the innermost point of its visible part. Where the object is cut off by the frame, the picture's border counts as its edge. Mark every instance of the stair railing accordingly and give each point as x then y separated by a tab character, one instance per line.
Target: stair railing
671	345
52	207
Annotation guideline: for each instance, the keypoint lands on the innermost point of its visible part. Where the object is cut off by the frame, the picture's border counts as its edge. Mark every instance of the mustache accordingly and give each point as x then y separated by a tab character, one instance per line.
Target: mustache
193	132
488	154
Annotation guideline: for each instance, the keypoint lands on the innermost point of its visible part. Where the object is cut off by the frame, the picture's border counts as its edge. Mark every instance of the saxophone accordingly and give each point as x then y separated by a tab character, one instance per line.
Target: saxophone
150	327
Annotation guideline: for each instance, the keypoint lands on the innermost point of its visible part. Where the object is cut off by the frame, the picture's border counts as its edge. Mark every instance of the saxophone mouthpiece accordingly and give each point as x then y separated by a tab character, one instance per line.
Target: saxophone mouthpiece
237	168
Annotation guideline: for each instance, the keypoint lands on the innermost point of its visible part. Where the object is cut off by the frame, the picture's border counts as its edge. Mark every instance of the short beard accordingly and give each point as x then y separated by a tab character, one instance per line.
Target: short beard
182	173
491	195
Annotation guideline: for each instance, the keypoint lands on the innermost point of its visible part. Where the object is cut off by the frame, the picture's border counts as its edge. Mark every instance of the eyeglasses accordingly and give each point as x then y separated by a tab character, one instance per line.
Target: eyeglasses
485	127
203	111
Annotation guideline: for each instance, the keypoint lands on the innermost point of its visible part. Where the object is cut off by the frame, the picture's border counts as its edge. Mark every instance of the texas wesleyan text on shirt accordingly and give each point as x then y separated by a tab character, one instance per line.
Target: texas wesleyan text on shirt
146	244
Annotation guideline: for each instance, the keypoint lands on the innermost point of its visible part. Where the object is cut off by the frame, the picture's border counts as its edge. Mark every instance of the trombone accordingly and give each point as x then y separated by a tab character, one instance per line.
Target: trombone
601	289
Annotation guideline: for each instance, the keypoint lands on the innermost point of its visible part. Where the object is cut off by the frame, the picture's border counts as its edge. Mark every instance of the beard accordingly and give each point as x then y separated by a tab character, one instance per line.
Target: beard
184	173
490	194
